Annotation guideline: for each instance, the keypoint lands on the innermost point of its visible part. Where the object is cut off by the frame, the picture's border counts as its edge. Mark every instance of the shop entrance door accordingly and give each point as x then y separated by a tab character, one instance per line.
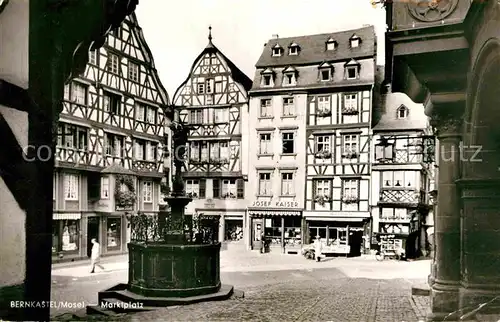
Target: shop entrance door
92	232
257	231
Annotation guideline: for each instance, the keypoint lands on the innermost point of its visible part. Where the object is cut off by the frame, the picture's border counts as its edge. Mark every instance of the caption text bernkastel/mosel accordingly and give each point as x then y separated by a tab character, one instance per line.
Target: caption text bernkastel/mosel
43	304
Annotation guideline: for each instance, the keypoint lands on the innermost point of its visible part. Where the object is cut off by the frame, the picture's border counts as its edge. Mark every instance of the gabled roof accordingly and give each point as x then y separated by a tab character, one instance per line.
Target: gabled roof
149	58
325	64
237	74
391	102
290	69
313	48
352	62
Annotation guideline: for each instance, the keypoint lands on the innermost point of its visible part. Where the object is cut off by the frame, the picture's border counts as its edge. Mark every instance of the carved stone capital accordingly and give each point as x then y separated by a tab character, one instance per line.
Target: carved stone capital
446	124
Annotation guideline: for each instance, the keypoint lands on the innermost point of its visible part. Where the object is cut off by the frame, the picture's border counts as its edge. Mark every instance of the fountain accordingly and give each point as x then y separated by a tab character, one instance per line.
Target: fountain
173	260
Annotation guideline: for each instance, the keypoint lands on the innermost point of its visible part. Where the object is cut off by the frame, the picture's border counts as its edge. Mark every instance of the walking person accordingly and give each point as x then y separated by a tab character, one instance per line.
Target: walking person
318	248
95	257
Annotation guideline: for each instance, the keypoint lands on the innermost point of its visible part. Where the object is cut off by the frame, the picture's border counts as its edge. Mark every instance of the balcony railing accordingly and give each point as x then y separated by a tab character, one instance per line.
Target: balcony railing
402	196
145	166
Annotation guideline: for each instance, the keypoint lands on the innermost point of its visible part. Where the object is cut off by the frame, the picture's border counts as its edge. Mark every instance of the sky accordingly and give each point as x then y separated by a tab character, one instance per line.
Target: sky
177	31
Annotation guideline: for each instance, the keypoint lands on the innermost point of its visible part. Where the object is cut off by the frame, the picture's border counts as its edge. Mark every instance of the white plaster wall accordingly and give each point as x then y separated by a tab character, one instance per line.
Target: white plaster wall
12	239
14	39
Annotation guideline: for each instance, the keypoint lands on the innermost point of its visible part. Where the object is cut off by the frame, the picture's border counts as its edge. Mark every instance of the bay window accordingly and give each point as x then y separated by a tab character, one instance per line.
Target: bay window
147	192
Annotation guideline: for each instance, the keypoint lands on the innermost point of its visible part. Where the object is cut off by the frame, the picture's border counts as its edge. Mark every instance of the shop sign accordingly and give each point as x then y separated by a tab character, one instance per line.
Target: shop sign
119	208
209	203
276	204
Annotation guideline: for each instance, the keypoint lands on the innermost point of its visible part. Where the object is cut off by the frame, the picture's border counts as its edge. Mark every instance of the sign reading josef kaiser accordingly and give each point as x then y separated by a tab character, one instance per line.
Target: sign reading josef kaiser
280	204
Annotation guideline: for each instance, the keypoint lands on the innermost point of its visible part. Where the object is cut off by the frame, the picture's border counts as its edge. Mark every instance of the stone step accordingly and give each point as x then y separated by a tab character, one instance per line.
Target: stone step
421	290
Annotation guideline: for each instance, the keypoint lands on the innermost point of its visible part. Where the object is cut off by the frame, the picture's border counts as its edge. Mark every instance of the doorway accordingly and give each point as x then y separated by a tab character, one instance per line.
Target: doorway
92	232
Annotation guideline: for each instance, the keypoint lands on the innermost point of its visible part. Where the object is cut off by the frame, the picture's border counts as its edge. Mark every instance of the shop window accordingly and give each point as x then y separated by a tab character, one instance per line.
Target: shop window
292	231
65	236
114	233
272	230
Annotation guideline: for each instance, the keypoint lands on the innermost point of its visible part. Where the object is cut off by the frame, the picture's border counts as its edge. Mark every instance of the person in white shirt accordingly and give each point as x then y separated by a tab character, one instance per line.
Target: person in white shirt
95	257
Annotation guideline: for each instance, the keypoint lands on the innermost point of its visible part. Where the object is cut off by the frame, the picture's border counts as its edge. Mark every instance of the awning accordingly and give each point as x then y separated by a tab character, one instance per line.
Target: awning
67	216
326	218
273	213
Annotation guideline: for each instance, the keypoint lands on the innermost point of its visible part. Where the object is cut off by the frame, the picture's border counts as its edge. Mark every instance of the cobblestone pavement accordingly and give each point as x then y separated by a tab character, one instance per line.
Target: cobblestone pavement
279	286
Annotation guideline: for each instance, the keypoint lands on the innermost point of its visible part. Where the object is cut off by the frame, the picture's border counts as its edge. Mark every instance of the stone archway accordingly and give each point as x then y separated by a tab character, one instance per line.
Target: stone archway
480	183
482	118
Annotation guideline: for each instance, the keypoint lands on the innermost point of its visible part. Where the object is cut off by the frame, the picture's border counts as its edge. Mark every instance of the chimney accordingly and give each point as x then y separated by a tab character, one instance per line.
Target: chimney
276	36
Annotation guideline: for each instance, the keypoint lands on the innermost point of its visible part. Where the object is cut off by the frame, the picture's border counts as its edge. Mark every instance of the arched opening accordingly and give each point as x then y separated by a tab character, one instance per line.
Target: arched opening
481	156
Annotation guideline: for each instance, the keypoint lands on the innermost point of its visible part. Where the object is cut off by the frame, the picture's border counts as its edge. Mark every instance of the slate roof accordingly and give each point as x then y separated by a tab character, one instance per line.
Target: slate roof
117	169
416	119
313	48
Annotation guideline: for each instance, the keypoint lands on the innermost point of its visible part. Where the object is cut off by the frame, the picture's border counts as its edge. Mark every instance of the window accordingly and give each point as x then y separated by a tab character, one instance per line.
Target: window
325	74
214	151
229	188
54	185
267	79
73	137
151	151
289	79
140	112
65	236
113	233
70	187
324	106
350	103
111	103
194	151
399	179
201	88
151	115
133	71
350	145
193	188
265	184
354	42
209	86
105	188
288	106
221	115
323	144
224	151
350	189
240	189
147	192
113	145
140	146
288	143
79	93
196	117
293	50
93	57
204	151
265	144
277	51
352	72
265	108
216	188
402	112
331	45
218	87
113	64
323	188
287	184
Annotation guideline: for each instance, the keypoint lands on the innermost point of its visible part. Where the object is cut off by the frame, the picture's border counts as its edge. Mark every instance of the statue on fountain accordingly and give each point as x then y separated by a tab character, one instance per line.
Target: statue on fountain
180	134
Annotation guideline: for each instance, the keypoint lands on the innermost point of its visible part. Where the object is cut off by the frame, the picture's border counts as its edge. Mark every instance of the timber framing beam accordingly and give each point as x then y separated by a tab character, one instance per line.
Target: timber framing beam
15	97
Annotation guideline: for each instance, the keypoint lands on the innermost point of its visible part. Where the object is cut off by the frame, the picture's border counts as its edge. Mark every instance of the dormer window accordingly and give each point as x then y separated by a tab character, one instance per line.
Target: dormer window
402	112
331	44
325	72
355	41
277	50
267	78
293	49
289	76
352	70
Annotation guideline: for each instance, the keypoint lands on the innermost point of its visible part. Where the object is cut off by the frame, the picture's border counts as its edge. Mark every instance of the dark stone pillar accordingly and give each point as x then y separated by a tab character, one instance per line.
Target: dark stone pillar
480	241
445	273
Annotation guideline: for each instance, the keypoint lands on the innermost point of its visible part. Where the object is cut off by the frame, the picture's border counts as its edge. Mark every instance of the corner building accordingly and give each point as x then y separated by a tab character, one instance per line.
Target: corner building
213	101
110	146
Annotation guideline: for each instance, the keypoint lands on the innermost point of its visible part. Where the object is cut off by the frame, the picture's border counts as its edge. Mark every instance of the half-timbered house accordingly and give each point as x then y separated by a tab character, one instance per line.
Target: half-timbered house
341	75
213	102
402	171
110	146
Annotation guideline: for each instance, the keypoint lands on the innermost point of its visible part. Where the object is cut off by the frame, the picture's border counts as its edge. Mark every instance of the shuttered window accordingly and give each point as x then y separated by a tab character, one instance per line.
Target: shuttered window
203	188
240	187
216	188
